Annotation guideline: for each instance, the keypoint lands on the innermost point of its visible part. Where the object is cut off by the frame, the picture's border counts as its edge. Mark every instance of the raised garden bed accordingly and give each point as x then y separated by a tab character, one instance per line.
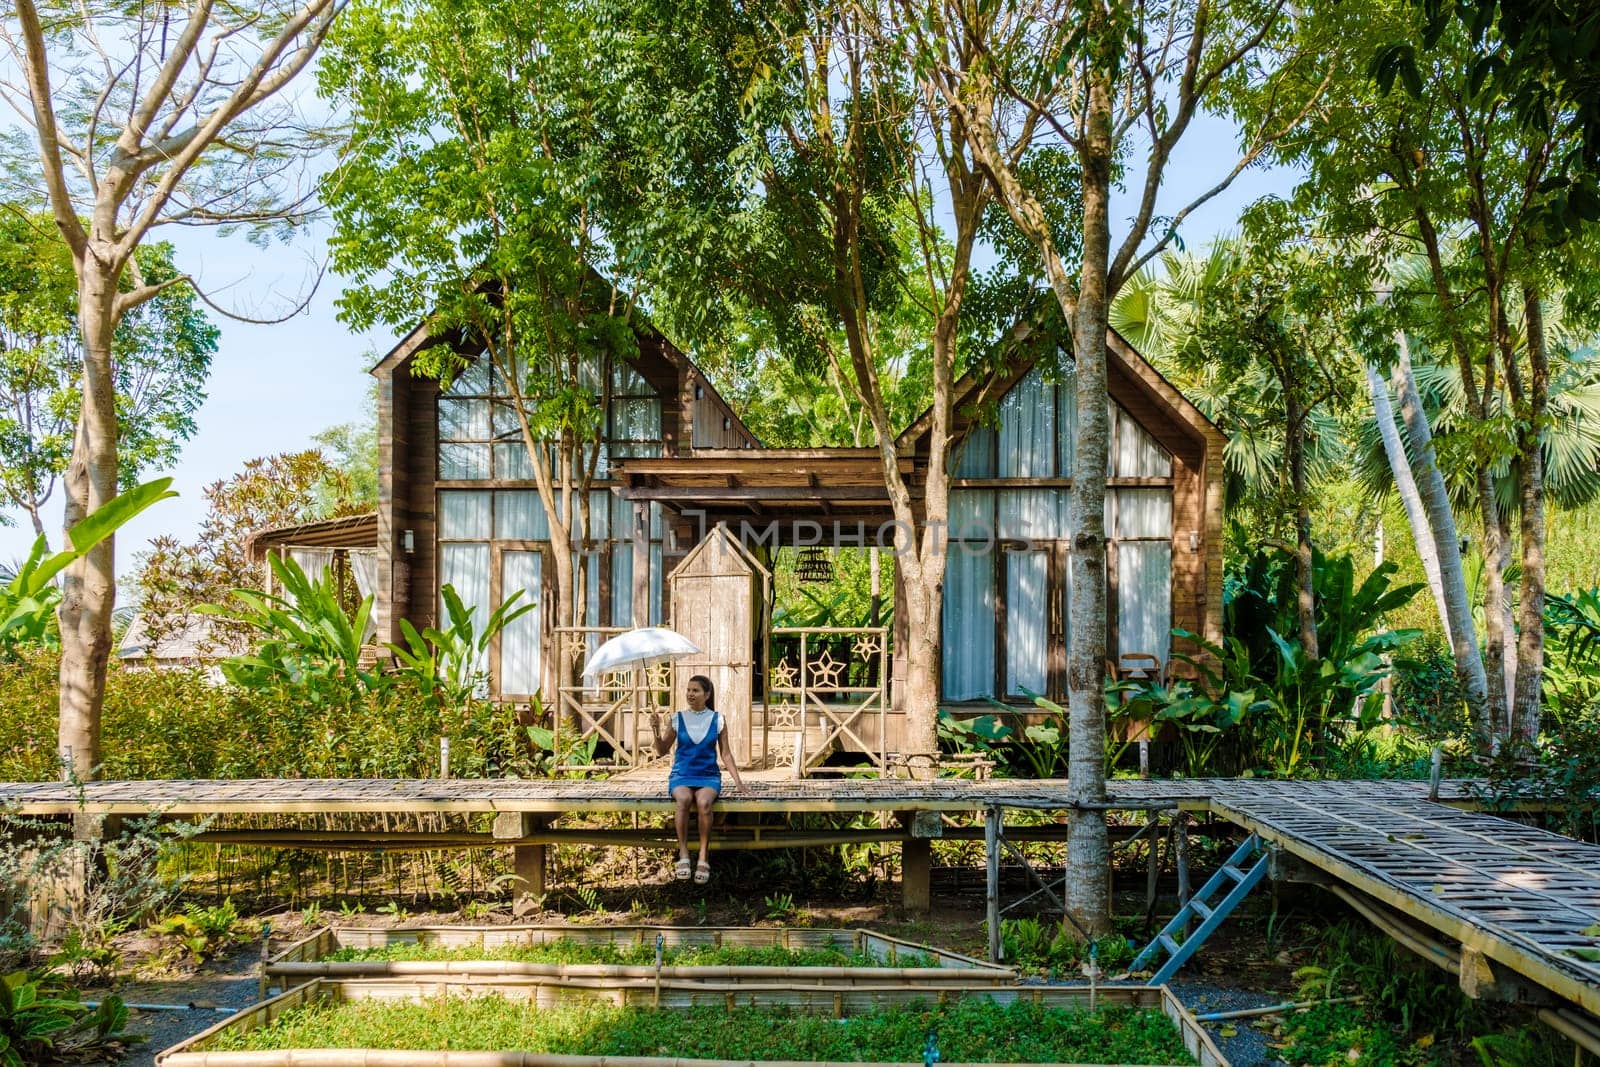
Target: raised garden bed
561	1023
720	954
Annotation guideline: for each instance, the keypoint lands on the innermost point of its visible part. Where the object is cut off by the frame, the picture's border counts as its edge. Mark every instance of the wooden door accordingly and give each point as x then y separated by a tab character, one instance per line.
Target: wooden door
717	594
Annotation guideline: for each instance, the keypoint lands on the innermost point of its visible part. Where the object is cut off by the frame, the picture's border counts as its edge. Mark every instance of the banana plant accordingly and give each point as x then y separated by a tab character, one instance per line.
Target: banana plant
29	599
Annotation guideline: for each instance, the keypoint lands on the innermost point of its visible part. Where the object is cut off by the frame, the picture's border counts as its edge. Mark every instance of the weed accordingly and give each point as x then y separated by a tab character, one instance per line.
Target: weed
200	930
311	914
348	910
780	906
394	910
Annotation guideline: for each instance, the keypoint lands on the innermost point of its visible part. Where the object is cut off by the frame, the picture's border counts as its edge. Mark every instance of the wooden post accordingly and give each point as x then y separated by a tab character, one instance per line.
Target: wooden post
1180	826
641	563
991	847
916	858
1153	868
527	861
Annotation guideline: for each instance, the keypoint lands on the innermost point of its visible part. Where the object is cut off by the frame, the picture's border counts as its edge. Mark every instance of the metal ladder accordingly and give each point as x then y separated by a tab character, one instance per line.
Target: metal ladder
1231	884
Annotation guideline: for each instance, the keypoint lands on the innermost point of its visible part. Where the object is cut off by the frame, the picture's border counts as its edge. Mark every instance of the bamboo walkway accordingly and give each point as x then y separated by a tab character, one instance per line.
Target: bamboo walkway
1515	898
628	794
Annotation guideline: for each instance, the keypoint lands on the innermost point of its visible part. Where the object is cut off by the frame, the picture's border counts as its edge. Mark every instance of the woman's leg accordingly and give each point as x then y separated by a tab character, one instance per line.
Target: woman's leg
704	797
682	796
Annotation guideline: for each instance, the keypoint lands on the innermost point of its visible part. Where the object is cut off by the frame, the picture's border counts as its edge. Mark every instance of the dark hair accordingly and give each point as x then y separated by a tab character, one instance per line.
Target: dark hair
711	691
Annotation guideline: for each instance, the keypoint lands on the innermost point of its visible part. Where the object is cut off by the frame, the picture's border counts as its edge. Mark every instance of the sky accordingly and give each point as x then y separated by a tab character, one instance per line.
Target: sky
273	387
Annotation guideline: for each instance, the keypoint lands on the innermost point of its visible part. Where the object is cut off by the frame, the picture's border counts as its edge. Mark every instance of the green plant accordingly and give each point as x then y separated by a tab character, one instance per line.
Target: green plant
311	914
305	637
1032	945
29	598
349	909
200	930
41	1019
448	664
780	906
394	910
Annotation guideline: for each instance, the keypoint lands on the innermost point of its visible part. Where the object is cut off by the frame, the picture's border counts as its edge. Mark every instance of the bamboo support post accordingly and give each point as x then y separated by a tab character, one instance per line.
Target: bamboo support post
1181	851
991	850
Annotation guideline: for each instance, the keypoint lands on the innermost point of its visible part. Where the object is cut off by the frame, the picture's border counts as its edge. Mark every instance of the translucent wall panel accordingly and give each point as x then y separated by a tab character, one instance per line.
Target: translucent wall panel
974	456
519	516
625	379
1027	621
1144	597
622	583
511	461
506	423
636	420
1144	513
1066	420
657	574
463	515
1136	454
463	420
1028	429
466	462
465	567
519	640
1030	514
968	628
972	514
472	381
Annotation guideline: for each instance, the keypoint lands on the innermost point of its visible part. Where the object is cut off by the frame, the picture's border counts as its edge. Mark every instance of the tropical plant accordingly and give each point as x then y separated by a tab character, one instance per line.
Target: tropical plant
306	637
28	601
42	1020
449	664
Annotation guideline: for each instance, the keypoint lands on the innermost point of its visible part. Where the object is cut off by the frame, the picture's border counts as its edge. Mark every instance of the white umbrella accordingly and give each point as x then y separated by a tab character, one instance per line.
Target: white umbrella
638	648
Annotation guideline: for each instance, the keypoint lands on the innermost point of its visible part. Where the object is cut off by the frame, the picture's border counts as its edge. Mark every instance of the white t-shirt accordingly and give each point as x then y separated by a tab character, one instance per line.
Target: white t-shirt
698	723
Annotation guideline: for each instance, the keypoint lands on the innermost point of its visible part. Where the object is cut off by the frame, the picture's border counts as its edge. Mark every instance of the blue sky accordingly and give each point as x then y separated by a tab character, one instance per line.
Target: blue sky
273	387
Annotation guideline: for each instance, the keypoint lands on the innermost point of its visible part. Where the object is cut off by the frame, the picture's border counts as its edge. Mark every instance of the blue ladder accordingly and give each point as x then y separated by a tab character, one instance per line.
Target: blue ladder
1232	883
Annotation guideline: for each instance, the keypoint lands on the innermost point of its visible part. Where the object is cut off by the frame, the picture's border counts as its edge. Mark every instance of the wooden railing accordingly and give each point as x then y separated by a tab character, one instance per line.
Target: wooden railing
608	711
829	682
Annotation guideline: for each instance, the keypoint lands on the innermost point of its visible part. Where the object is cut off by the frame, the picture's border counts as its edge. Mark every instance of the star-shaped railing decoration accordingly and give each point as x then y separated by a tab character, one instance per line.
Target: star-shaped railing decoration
783	716
782	676
869	646
825	671
658	676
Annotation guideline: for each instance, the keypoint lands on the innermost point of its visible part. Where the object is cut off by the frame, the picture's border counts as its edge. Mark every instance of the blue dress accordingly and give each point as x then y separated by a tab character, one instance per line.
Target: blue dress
694	763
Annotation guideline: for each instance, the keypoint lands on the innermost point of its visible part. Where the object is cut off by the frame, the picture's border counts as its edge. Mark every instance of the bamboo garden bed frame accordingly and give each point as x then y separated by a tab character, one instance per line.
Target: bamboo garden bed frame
546	992
306	959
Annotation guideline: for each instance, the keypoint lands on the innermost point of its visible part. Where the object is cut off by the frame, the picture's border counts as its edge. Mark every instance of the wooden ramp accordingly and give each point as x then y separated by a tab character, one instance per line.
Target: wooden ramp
1513	896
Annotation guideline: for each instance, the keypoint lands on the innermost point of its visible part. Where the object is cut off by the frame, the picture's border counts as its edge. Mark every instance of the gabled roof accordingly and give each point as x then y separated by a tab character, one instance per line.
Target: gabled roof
977	387
346	531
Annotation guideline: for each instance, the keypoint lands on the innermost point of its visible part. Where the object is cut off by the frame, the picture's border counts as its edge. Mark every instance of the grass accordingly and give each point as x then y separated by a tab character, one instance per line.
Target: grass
633	955
975	1030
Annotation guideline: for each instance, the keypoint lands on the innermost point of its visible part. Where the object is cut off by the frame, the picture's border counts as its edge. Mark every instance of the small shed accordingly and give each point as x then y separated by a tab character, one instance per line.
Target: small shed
720	597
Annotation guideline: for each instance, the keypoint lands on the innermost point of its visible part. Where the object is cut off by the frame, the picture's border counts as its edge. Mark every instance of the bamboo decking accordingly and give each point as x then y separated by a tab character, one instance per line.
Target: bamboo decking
642	794
1516	898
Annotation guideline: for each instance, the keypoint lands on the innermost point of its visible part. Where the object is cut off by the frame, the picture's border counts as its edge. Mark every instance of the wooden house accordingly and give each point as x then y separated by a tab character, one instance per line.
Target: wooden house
458	504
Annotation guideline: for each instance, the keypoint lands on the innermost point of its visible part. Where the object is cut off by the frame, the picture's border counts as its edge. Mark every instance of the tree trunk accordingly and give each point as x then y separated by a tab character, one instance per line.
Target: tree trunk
1495	611
1304	557
1530	603
1442	530
88	586
920	699
1405	485
1088	847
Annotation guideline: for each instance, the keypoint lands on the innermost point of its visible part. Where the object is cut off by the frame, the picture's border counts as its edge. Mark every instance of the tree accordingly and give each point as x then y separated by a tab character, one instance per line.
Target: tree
479	196
161	354
156	115
1459	175
174	578
1099	81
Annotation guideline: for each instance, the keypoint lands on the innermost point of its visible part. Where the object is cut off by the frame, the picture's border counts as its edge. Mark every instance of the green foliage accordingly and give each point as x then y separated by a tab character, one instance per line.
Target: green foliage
1033	946
161	354
177	724
448	664
304	637
971	1031
28	600
201	931
633	955
42	1020
1258	701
